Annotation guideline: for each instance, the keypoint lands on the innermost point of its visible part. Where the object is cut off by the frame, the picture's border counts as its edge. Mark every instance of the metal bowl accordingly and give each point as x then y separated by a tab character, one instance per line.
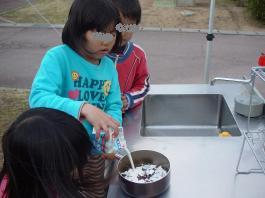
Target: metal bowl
144	189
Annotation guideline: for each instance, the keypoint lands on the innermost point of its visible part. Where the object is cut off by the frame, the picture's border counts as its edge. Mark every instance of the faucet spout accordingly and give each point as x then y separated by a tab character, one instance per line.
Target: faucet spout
243	81
247	81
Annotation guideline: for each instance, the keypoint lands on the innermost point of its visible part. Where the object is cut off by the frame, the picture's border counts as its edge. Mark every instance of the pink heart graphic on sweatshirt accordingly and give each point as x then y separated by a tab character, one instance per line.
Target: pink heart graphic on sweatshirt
73	94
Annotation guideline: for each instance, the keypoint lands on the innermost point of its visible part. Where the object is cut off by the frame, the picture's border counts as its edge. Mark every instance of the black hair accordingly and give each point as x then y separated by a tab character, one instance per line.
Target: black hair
43	150
88	15
130	9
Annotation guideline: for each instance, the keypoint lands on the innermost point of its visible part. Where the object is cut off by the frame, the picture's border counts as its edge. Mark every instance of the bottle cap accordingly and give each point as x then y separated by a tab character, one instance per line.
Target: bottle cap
261	61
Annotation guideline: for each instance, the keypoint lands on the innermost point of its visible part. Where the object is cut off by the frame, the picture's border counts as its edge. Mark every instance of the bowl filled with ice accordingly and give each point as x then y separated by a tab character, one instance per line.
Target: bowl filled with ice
149	178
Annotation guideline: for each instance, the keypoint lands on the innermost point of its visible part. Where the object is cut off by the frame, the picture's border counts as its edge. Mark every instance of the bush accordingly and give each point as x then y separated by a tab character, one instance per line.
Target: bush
257	9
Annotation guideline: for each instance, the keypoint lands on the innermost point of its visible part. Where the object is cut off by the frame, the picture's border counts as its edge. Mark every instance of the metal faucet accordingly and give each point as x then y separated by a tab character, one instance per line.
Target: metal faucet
243	81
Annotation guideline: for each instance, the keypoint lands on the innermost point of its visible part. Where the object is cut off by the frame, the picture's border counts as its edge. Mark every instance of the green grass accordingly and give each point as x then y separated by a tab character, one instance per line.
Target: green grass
12	103
226	2
165	3
55	11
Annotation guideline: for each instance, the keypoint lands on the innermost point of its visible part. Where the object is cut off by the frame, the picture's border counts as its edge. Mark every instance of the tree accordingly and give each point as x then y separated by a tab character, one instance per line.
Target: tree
257	9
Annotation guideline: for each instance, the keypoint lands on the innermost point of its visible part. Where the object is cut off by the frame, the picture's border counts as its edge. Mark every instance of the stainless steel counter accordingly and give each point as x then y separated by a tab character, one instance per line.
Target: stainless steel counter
201	167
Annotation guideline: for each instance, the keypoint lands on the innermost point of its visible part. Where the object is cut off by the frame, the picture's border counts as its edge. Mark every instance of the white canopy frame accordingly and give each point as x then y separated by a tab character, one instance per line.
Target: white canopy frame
209	38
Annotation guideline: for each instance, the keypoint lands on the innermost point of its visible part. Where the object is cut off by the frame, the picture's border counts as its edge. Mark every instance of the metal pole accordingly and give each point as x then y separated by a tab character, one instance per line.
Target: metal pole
209	38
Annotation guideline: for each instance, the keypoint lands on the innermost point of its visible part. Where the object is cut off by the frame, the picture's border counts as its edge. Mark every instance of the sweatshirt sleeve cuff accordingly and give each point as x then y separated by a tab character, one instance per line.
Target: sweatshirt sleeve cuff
75	109
130	101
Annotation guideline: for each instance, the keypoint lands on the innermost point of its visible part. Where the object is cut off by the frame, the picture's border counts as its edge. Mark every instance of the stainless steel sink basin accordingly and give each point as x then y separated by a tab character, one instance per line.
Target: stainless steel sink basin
187	115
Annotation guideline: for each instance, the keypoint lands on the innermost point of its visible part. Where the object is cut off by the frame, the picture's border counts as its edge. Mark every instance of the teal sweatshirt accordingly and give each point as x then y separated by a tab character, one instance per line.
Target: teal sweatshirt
65	81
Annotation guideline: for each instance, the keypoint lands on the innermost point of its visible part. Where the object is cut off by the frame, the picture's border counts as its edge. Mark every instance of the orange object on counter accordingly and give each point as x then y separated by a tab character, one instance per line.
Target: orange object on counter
261	61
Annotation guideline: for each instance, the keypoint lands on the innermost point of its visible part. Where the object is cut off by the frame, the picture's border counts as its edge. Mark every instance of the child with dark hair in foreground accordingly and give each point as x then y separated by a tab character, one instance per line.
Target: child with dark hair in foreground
44	154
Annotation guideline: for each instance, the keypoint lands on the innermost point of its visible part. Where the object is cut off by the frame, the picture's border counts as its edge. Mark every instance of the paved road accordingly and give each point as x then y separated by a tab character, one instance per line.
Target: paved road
173	57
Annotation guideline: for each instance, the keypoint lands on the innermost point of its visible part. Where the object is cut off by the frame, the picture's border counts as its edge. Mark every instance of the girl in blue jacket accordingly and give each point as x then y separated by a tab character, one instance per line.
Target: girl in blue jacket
77	78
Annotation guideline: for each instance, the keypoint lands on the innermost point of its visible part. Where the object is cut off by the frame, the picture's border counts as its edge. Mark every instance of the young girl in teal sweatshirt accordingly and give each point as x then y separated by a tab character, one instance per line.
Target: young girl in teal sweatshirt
77	78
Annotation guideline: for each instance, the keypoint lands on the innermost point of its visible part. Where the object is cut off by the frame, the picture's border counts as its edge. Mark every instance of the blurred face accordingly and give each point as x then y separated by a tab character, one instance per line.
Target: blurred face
98	44
126	36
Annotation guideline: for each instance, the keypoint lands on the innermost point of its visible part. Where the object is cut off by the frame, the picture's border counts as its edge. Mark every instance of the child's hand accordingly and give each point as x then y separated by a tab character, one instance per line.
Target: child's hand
110	156
124	103
100	120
